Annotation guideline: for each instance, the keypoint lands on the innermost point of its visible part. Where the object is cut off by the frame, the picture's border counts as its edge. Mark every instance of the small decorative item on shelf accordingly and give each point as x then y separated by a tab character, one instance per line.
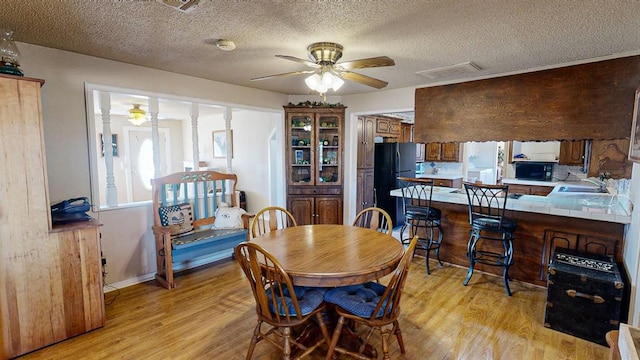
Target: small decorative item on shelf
325	142
9	54
335	141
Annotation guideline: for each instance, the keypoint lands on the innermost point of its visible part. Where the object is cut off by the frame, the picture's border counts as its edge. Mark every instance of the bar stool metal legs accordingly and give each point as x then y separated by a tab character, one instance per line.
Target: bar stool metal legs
427	243
504	259
487	204
420	217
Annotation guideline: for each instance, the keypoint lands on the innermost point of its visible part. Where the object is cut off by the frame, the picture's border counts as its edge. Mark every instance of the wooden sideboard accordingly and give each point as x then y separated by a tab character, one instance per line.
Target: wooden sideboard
50	277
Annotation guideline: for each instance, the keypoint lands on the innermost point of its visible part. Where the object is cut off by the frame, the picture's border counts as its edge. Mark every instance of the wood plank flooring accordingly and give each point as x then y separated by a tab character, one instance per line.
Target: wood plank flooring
211	316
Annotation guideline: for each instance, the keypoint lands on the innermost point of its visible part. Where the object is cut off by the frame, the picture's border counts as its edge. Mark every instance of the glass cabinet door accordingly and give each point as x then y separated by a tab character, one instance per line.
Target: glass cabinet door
329	166
301	149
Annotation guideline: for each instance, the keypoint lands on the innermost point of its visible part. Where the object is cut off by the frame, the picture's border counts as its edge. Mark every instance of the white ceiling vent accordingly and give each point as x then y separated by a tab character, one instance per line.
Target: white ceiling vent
181	5
458	69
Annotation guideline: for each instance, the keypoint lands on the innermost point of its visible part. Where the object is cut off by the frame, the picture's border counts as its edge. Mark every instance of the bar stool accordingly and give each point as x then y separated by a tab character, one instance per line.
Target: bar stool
420	217
486	215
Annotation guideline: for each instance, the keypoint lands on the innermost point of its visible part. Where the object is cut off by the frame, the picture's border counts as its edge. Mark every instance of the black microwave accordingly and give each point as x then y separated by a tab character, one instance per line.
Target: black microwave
540	171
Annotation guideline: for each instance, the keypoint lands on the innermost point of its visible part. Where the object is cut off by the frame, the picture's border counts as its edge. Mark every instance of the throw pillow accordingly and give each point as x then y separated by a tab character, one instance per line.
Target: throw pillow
229	218
179	217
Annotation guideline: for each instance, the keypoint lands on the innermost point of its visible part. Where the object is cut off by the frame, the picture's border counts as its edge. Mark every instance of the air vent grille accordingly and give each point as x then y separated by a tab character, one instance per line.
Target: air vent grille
446	71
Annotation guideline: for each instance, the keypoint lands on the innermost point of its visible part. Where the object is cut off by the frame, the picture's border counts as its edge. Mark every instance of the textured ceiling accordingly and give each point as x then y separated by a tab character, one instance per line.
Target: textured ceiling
499	36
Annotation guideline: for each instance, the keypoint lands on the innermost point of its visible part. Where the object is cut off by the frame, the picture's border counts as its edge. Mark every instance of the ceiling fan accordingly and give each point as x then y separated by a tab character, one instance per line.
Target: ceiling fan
327	73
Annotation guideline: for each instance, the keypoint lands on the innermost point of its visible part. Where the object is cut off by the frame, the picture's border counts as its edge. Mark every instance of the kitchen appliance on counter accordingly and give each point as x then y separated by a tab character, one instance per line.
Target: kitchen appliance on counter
529	170
392	160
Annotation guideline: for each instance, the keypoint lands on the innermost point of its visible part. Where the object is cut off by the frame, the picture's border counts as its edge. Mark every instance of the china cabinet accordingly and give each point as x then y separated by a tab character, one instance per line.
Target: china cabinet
314	163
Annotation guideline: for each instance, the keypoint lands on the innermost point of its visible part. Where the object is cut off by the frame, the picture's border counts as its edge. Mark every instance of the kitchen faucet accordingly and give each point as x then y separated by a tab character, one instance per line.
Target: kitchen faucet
601	184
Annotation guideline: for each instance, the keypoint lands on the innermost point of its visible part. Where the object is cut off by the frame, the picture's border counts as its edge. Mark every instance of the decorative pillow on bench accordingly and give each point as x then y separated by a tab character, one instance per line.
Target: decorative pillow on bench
179	217
229	217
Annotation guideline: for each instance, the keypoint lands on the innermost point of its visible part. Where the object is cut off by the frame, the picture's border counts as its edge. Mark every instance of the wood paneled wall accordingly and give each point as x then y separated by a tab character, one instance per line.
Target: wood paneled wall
587	101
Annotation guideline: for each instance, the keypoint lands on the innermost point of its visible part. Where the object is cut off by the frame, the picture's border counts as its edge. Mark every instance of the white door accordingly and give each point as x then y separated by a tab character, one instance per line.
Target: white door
141	168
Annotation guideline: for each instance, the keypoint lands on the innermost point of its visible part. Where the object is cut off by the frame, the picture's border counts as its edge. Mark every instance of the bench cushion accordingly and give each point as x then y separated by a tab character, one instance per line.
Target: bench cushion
206	242
179	215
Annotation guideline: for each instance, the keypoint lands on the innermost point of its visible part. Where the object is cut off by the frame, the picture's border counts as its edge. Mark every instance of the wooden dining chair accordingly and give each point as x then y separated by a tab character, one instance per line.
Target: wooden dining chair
373	305
279	303
271	218
374	218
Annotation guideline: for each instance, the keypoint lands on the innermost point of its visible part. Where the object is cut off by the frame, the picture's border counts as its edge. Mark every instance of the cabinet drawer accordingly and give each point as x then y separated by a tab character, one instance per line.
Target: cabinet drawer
317	190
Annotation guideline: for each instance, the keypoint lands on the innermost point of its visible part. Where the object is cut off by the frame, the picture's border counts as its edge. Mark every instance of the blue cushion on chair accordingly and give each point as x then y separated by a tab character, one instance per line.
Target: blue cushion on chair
360	300
308	300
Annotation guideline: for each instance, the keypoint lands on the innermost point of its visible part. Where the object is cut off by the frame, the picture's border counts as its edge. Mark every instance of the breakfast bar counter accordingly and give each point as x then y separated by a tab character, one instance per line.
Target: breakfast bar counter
588	222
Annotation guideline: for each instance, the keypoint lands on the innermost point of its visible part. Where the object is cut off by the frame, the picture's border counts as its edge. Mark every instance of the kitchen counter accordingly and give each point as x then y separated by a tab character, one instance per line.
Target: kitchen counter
440	176
601	207
530	182
581	221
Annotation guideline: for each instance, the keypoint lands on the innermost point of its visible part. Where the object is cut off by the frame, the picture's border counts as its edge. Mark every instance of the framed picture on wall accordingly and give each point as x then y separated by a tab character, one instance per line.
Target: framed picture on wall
114	144
220	144
634	143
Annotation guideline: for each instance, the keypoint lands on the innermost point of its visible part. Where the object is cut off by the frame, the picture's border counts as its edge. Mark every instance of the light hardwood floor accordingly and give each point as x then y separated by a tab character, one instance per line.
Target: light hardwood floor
211	316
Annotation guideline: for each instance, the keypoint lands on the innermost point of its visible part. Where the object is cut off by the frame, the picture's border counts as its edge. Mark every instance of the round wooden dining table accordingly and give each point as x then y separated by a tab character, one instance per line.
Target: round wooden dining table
332	255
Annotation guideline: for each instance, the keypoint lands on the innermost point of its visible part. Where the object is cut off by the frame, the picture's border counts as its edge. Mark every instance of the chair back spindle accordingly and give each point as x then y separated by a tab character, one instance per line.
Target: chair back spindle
374	218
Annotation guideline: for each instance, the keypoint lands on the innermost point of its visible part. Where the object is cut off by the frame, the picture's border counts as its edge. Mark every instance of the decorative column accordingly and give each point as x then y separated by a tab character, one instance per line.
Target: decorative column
154	109
227	127
107	148
195	113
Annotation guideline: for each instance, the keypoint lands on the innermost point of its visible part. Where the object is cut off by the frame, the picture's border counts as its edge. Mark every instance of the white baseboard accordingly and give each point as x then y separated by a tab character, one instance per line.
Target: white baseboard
176	267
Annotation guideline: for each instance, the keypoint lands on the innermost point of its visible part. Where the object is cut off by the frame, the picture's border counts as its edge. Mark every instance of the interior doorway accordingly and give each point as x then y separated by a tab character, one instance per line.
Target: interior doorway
141	168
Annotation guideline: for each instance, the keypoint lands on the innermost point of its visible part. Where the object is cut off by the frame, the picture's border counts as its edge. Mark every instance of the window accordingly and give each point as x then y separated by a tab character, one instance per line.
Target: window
123	177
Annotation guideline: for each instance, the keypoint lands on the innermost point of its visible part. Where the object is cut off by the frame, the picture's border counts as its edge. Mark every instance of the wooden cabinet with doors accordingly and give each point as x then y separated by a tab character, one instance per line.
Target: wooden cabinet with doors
318	209
51	277
388	127
443	152
365	197
572	152
366	134
452	183
529	189
406	132
314	153
365	161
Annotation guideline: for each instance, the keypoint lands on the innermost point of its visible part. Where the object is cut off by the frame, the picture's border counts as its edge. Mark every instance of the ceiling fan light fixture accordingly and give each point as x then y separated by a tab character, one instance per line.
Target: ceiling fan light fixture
324	82
337	83
137	116
313	81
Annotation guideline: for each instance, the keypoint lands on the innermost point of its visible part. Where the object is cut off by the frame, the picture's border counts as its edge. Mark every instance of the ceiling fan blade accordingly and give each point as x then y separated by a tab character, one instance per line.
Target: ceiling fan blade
363	79
283	74
366	63
302	61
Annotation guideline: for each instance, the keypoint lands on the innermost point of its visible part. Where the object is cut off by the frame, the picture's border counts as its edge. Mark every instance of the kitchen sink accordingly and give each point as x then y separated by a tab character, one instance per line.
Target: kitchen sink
580	189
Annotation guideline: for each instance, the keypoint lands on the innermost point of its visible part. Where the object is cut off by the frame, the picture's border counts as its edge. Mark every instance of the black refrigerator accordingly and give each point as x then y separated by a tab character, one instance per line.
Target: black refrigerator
391	161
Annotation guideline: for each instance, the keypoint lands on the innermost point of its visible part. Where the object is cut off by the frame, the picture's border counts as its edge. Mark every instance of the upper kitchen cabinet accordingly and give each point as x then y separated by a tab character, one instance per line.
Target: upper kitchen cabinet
366	134
572	152
443	152
388	127
406	132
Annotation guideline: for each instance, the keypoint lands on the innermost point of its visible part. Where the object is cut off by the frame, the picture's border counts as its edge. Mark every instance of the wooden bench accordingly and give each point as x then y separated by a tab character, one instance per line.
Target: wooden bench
184	212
